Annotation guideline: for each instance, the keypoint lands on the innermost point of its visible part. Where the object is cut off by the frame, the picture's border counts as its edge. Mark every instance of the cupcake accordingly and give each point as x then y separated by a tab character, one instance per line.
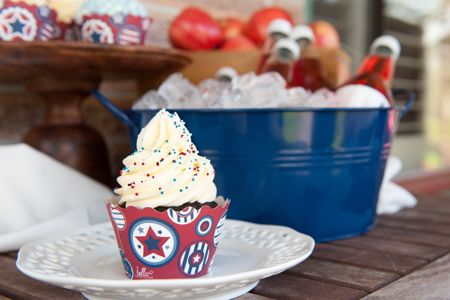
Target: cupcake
65	14
27	20
121	22
166	217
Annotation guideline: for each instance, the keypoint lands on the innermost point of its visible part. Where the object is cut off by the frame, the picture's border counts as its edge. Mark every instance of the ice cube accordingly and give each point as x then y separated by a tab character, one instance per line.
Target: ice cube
150	100
181	93
244	80
296	97
231	97
211	90
358	96
320	98
266	90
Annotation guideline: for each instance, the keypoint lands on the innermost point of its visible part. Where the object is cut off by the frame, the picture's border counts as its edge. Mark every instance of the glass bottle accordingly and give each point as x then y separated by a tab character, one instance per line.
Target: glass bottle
307	69
278	29
377	68
283	55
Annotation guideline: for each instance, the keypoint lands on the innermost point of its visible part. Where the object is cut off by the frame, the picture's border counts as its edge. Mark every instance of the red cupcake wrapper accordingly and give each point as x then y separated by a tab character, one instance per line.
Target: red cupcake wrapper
118	29
69	31
168	244
20	21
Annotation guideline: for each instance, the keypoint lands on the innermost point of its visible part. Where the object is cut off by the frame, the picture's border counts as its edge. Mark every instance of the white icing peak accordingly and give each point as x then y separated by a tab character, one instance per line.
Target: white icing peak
166	169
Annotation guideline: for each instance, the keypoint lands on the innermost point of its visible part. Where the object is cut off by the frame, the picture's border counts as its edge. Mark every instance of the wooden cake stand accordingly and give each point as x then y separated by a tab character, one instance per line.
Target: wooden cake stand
64	74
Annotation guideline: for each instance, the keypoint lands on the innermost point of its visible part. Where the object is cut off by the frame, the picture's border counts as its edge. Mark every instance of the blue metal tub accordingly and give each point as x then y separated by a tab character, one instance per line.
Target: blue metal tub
316	170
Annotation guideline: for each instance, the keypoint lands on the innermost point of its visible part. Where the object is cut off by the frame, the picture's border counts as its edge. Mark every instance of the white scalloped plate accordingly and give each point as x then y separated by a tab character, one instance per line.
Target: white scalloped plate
88	261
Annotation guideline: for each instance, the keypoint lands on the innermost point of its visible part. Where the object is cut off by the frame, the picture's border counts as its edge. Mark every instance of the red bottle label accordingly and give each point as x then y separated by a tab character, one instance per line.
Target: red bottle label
382	65
308	74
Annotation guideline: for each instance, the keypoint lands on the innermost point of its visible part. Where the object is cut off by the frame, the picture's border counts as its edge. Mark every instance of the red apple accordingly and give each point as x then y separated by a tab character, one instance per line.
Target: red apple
194	29
231	27
326	36
256	27
239	43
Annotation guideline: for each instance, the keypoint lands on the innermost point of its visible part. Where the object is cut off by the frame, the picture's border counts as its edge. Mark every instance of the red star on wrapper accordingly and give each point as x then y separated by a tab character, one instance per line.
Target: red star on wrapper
152	243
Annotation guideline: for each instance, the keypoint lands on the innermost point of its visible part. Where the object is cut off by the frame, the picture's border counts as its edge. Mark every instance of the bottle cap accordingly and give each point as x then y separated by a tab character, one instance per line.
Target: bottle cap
226	74
386	41
287	50
302	32
279	27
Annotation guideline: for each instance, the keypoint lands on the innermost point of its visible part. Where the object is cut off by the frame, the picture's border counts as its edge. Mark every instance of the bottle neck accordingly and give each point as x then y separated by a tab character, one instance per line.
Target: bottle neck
303	43
271	41
284	56
378	64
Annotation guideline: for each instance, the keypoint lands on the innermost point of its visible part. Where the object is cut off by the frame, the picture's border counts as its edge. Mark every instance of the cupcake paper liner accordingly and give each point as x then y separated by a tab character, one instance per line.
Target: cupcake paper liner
20	21
120	29
167	244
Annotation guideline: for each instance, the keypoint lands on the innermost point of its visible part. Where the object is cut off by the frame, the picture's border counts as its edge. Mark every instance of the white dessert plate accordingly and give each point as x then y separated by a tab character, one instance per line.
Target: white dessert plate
88	261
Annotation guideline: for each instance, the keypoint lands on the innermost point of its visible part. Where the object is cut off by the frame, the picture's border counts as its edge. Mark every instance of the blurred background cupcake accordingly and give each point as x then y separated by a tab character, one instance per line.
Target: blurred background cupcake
27	20
122	22
65	13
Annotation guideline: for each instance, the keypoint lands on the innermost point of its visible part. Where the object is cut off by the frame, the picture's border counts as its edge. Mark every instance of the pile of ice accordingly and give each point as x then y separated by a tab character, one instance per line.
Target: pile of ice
251	91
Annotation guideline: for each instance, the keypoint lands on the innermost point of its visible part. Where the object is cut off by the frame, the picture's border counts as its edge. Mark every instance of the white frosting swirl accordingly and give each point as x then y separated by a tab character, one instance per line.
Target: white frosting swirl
166	169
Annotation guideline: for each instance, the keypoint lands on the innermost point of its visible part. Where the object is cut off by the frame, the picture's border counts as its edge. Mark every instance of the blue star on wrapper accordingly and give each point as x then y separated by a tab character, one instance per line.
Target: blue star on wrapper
96	37
152	243
17	26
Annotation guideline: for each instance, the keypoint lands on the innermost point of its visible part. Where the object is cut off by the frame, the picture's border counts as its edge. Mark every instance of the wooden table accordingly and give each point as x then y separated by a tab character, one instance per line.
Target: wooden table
407	256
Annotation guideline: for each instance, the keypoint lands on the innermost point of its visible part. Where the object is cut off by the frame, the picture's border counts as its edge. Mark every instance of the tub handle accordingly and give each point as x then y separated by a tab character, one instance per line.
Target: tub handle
116	111
403	109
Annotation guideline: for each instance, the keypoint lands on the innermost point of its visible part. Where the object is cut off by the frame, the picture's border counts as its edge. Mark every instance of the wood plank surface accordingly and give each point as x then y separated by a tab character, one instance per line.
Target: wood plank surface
421	216
395	247
406	235
343	274
430	282
249	296
15	285
289	287
376	260
413	225
435	203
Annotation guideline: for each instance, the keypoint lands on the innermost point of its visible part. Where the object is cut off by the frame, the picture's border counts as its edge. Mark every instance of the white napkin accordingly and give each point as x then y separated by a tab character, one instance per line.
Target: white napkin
392	196
41	196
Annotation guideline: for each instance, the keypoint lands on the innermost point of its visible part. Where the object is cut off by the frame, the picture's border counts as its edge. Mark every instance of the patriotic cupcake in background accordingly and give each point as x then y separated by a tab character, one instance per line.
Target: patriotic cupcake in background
65	13
121	22
167	217
27	20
